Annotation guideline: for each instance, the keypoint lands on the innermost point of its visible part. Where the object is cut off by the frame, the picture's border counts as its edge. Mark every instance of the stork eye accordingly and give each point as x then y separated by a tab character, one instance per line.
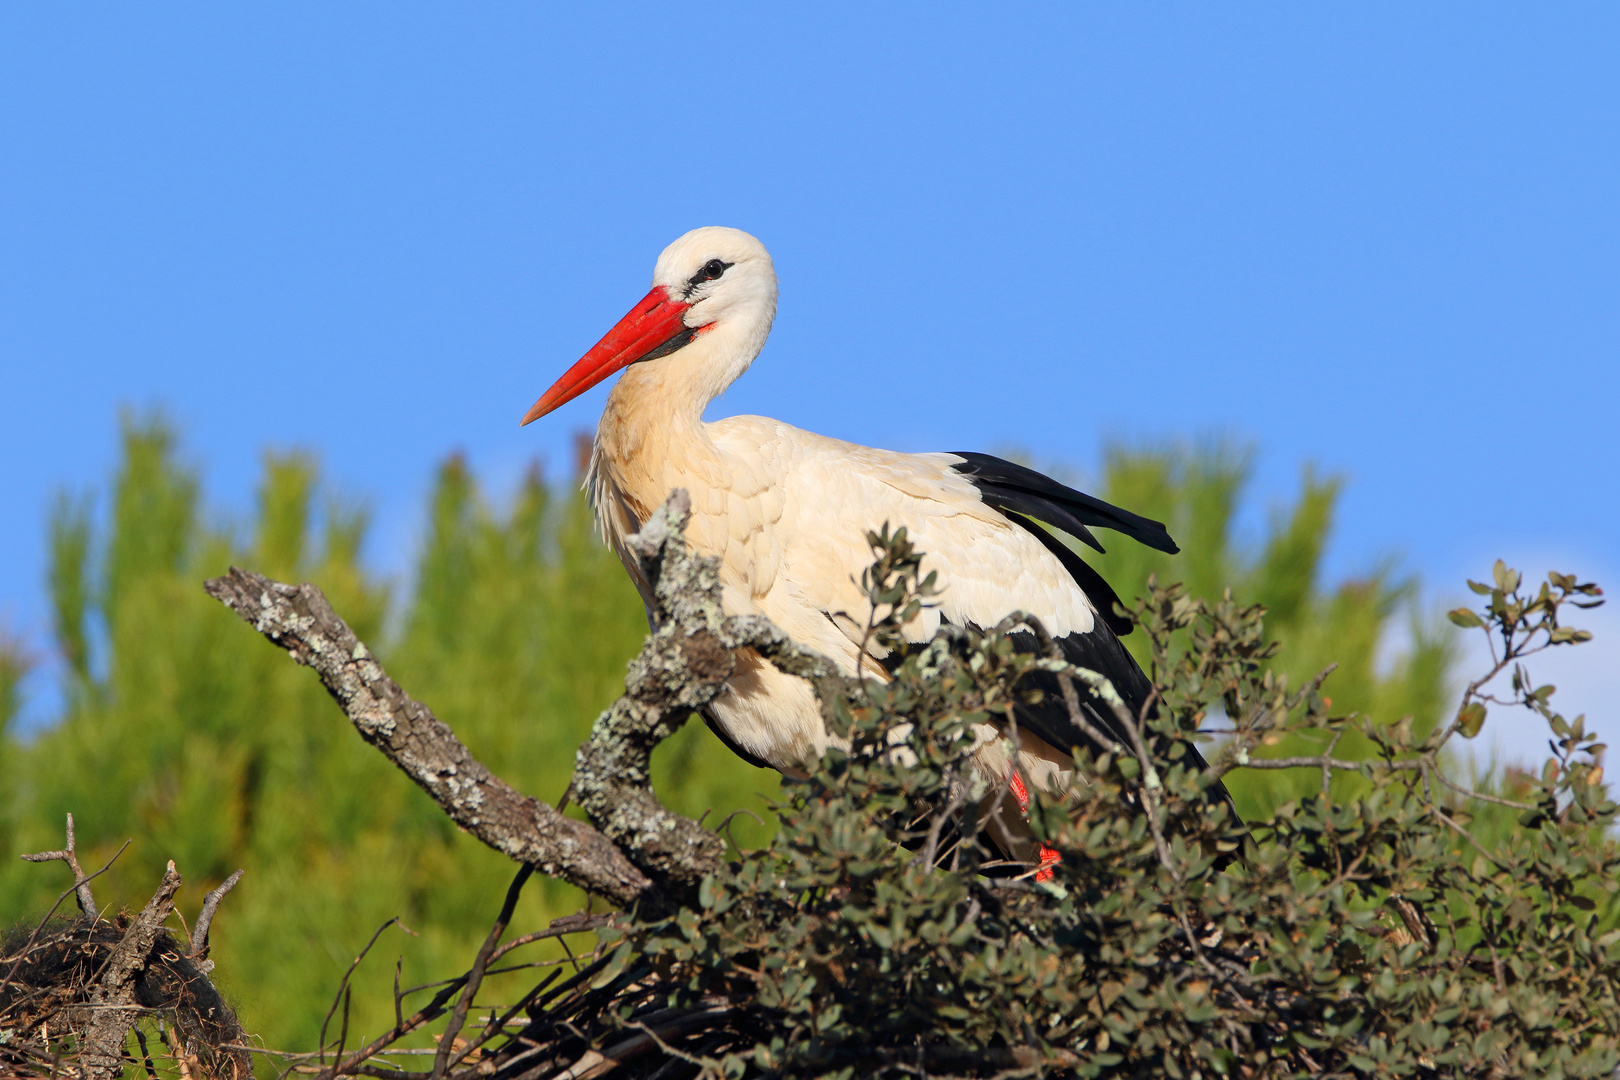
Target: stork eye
707	272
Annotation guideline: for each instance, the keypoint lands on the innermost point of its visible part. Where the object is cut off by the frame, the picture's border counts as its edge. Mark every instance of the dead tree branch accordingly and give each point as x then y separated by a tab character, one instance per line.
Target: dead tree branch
642	847
205	919
70	855
299	619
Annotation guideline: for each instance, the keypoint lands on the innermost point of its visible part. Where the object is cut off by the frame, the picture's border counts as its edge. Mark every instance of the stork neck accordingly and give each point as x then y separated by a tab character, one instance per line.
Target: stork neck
668	395
651	434
652	437
653	395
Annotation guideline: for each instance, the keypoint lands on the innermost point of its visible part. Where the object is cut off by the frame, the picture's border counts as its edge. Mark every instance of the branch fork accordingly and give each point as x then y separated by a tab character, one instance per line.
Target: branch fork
635	851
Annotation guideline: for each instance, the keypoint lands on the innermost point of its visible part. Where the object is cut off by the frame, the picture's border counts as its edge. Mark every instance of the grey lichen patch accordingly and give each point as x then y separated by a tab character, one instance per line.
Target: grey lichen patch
682	667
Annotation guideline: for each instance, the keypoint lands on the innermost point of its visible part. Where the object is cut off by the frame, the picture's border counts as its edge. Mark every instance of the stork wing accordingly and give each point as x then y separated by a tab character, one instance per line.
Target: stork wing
1027	497
792	521
976	518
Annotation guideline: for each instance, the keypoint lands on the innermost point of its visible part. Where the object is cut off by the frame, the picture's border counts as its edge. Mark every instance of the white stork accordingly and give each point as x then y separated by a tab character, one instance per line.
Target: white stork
786	513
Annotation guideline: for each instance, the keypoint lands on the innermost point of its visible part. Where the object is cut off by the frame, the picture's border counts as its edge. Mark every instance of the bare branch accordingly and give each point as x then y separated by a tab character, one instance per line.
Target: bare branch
429	1012
205	919
567	924
343	986
299	619
34	937
475	977
81	884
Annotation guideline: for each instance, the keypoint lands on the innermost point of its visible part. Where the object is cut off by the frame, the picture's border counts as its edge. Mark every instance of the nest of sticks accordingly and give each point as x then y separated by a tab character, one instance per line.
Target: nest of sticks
73	990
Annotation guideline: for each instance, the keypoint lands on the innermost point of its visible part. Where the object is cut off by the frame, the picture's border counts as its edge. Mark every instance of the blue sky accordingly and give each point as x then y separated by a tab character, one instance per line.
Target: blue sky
1369	237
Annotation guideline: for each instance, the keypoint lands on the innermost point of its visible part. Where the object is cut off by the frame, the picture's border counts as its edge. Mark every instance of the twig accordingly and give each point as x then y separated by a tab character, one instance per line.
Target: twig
725	824
498	1024
399	1012
205	918
81	884
1482	796
1239	752
1104	689
930	851
475	977
1327	769
429	1012
343	984
574	924
1065	676
596	1063
34	937
343	1032
1434	808
569	953
146	1054
679	1027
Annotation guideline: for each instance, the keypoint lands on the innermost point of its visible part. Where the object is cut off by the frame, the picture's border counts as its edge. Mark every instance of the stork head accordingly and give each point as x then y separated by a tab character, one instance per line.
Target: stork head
710	309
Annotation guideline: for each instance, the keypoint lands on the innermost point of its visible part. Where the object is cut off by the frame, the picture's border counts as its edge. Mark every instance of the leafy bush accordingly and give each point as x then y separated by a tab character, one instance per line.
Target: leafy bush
1361	935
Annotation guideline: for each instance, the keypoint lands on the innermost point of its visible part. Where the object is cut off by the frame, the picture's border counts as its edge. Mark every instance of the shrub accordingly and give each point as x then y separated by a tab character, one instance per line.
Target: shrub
1368	933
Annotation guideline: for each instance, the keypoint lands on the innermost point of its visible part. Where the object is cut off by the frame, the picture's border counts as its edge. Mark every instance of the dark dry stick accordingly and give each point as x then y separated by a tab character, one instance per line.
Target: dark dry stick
576	923
146	1054
344	985
87	901
475	977
343	1032
205	918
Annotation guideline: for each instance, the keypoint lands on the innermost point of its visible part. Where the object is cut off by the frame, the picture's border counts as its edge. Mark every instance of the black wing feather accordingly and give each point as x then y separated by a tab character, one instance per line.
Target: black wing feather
1028	492
1030	506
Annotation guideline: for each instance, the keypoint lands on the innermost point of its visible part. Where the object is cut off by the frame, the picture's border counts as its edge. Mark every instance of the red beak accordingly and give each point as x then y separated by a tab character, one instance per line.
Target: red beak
651	325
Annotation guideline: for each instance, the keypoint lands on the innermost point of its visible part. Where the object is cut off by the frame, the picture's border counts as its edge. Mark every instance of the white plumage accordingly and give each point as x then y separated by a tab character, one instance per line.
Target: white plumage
786	512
